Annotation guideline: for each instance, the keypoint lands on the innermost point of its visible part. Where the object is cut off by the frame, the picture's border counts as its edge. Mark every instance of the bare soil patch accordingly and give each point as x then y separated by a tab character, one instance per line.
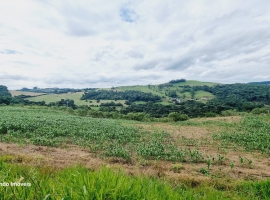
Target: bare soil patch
188	173
178	131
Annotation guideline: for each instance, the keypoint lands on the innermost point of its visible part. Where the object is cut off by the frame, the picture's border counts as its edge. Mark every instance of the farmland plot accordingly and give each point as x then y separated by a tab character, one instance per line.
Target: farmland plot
207	151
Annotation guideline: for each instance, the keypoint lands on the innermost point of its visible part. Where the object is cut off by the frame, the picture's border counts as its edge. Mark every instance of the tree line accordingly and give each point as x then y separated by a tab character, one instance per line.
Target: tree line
129	95
239	91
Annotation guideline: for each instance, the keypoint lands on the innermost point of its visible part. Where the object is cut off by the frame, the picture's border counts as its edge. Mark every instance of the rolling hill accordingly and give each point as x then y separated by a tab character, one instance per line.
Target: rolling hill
161	90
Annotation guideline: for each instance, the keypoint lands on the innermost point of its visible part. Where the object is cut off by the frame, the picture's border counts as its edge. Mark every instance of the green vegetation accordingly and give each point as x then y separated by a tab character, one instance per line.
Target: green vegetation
143	88
4	91
45	127
184	158
237	92
57	97
5	96
195	83
81	183
129	95
130	144
252	133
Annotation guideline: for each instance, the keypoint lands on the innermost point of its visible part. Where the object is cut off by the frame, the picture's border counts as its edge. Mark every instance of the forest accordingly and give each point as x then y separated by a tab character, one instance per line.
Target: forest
236	92
129	95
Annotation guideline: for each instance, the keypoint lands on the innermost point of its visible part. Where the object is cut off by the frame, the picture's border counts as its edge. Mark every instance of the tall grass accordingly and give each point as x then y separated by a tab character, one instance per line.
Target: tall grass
81	183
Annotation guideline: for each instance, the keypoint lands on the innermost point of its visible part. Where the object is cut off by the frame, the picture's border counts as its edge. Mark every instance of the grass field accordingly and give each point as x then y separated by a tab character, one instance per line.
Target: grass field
57	97
203	158
195	83
17	93
143	88
202	94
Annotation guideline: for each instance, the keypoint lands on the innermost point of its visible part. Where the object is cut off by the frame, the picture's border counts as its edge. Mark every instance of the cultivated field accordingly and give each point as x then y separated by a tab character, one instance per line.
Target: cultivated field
204	158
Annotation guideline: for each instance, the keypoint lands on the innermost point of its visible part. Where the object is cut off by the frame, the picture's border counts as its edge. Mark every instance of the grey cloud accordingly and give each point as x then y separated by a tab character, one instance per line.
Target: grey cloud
135	54
80	80
181	63
77	28
84	20
103	52
222	48
13	77
146	65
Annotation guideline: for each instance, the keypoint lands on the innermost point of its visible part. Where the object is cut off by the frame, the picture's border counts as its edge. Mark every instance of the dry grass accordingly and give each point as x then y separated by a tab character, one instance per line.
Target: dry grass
17	93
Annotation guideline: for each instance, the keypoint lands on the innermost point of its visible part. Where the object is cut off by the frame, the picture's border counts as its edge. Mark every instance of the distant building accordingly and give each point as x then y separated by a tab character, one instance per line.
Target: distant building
176	100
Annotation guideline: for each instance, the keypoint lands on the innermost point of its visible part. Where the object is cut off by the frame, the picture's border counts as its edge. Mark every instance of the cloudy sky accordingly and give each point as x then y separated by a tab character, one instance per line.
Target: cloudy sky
103	43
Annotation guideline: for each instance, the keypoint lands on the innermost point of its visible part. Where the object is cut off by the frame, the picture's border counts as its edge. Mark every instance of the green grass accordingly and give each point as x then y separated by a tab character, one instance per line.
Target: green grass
139	102
142	88
57	97
202	94
74	96
164	103
94	102
81	183
195	83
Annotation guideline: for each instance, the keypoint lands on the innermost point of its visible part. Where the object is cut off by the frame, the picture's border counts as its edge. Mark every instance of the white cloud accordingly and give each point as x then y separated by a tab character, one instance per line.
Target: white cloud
98	43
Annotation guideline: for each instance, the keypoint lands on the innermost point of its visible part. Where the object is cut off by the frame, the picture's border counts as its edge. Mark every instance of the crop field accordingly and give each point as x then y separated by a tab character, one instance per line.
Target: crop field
204	158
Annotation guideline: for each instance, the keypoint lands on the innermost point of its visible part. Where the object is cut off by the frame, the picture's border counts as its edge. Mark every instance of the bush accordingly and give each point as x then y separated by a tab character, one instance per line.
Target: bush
177	117
210	114
260	111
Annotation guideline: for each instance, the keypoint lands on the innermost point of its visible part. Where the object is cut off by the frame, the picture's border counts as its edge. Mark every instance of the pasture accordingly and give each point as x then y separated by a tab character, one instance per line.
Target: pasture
17	93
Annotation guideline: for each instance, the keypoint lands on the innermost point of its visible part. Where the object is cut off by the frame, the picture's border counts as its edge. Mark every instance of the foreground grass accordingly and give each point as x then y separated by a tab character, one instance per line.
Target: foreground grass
81	183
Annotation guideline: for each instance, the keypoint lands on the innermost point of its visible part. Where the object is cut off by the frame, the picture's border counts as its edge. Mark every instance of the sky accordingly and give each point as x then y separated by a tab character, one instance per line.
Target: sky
103	43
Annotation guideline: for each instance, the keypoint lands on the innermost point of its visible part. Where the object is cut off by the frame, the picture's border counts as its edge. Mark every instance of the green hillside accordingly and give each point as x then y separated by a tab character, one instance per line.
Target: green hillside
57	97
195	83
156	90
163	92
